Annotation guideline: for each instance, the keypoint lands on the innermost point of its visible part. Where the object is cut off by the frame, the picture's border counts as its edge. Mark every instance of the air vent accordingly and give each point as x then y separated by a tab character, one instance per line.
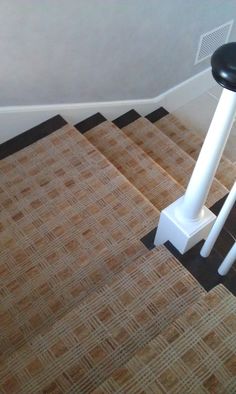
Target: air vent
212	40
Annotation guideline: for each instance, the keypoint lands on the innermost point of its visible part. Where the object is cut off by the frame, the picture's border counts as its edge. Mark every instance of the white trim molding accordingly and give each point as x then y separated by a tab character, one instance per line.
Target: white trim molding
16	119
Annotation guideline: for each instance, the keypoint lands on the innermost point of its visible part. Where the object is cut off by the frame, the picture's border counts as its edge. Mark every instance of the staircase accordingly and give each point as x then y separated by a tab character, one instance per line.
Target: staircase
85	306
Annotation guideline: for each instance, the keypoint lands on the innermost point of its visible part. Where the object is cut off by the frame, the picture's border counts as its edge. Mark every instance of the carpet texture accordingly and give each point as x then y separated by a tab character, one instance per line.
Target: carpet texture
68	218
168	155
191	143
85	307
81	350
147	176
196	354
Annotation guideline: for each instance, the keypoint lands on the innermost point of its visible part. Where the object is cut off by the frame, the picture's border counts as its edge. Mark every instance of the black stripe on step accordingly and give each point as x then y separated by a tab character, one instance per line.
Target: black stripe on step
90	123
157	114
148	239
205	269
30	136
126	118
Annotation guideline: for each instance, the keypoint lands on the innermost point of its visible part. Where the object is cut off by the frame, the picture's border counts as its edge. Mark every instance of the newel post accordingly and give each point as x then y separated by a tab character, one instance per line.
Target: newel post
187	221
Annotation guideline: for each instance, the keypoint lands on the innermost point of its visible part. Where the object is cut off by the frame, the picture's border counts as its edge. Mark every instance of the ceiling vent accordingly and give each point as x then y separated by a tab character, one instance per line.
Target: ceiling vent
212	40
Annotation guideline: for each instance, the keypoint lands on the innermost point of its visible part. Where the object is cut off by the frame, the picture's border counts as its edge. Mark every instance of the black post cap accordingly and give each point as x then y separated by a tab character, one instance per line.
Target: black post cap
223	62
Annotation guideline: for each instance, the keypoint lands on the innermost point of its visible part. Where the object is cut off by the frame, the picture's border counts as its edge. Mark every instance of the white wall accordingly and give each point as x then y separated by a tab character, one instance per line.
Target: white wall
64	51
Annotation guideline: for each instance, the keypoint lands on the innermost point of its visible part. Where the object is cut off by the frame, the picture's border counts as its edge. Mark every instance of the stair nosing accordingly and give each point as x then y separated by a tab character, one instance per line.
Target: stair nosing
156	115
31	136
126	118
90	122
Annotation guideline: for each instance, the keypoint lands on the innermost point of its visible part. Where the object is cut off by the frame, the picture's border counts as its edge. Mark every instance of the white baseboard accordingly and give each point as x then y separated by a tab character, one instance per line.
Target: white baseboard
16	119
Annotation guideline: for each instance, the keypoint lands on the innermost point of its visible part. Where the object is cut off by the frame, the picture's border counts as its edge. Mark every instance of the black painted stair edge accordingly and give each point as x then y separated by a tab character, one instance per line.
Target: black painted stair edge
90	122
132	115
126	118
30	136
205	269
156	115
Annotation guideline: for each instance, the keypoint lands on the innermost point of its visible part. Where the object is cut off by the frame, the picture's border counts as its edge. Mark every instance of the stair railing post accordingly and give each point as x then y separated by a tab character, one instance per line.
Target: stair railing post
187	221
209	157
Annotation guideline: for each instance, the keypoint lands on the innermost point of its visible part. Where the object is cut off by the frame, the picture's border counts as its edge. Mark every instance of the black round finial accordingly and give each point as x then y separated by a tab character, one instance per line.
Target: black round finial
223	62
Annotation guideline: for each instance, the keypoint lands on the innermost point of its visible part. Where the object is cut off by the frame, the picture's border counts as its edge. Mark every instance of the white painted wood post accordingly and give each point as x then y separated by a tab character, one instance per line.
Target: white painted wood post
219	223
187	221
229	260
209	158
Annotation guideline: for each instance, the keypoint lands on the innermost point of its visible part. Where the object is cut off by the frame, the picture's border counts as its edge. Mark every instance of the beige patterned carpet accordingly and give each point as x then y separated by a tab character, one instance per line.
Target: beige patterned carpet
196	354
85	307
169	155
147	176
70	220
191	143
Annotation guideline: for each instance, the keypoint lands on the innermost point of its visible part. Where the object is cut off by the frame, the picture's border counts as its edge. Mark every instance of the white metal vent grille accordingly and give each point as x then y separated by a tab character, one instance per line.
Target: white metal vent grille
211	40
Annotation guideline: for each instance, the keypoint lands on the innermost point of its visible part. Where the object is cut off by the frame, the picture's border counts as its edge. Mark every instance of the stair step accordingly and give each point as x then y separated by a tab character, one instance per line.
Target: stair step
147	176
168	155
69	221
104	331
196	354
191	143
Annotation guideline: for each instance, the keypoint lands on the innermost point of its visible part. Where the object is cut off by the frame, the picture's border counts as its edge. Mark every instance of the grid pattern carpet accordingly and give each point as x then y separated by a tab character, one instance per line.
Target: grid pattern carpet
85	307
191	143
147	176
169	155
69	220
82	349
196	354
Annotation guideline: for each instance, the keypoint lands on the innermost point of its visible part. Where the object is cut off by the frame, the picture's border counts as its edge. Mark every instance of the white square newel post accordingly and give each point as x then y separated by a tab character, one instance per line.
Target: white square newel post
187	221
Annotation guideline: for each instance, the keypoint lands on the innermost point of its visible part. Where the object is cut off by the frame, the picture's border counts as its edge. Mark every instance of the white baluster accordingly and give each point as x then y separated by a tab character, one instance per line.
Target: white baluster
228	261
219	223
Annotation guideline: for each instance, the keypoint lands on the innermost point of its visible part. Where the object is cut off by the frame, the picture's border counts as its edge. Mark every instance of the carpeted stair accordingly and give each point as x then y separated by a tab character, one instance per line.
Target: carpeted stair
85	307
168	154
137	166
195	354
104	331
191	143
70	220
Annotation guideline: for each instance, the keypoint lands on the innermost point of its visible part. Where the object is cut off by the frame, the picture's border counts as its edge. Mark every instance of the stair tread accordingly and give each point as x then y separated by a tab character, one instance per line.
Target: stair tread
196	354
191	143
168	155
100	334
69	221
147	176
